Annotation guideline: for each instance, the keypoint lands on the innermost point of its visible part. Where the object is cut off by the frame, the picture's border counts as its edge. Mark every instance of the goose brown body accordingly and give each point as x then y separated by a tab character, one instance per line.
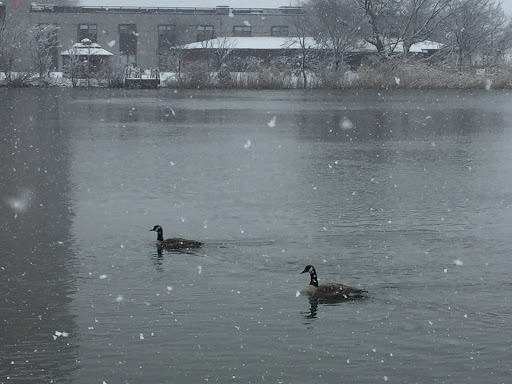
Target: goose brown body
173	242
329	291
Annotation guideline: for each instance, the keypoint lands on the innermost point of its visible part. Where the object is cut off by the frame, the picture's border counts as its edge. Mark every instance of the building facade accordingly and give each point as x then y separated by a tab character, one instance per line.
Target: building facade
143	36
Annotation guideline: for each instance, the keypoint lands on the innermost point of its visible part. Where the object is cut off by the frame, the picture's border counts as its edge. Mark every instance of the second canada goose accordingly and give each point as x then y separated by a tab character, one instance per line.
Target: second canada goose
329	291
173	242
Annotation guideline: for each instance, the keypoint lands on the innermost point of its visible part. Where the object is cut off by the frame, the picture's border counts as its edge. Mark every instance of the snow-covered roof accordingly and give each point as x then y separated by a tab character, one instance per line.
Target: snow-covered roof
276	43
424	46
85	48
252	43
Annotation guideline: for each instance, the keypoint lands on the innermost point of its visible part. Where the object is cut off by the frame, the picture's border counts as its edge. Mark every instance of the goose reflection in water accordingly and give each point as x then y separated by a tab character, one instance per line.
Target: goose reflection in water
313	309
158	257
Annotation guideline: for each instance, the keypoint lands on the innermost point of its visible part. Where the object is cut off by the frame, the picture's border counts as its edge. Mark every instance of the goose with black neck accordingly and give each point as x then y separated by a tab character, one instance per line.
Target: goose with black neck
173	242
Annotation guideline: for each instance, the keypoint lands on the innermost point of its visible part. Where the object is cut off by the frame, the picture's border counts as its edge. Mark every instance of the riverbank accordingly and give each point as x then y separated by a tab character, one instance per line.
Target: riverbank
383	76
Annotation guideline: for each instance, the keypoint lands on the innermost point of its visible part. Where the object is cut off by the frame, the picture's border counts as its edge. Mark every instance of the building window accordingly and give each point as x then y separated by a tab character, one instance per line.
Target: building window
166	40
242	30
128	44
47	51
281	30
87	31
2	14
204	32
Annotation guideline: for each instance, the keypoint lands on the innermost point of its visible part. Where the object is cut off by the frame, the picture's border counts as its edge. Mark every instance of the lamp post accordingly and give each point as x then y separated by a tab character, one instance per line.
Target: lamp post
87	42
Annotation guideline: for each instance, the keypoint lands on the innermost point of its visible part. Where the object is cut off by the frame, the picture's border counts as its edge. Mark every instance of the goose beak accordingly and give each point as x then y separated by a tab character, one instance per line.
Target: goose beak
151	230
304	271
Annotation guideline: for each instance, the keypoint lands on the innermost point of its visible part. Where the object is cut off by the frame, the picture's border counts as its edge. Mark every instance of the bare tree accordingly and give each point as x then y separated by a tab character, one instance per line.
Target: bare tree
221	51
420	19
381	20
13	43
335	26
44	49
75	68
502	43
177	59
475	26
395	22
167	41
307	49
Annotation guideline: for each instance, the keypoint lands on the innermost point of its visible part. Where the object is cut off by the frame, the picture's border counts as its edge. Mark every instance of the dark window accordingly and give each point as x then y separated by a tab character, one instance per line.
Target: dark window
204	32
166	40
242	30
47	37
2	14
281	30
87	31
128	44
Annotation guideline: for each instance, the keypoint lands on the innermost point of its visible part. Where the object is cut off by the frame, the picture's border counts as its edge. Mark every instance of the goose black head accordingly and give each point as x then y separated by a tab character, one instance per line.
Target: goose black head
159	231
312	272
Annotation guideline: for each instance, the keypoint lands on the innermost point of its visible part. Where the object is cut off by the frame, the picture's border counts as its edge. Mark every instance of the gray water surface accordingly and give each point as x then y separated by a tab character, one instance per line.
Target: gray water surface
407	194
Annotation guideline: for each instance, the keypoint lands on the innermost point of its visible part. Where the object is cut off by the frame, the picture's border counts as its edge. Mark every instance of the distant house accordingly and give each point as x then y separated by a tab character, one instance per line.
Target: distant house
267	49
262	49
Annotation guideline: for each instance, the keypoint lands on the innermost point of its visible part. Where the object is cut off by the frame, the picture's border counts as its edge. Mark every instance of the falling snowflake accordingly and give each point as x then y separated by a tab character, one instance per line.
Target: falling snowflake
346	124
272	122
20	203
60	334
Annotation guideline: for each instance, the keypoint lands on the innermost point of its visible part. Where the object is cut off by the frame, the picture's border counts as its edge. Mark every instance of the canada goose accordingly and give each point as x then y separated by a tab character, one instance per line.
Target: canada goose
329	291
173	242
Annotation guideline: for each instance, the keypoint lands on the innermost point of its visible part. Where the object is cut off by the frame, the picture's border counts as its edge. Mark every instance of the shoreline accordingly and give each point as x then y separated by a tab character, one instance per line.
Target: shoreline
414	77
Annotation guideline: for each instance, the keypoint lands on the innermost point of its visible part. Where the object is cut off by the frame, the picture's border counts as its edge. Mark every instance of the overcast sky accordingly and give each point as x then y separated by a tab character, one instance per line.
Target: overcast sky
507	4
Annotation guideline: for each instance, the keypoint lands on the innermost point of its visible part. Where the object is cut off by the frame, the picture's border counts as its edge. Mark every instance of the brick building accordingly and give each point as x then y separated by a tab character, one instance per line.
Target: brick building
142	36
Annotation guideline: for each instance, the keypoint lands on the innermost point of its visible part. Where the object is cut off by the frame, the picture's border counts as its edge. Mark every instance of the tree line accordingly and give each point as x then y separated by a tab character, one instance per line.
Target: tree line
468	29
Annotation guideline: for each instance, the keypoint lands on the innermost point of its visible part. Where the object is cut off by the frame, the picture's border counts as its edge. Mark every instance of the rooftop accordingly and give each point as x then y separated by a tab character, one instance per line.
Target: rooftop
273	43
197	9
265	43
86	48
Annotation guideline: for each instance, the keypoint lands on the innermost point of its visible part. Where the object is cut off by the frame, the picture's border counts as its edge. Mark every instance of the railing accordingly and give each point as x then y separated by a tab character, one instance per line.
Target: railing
133	73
